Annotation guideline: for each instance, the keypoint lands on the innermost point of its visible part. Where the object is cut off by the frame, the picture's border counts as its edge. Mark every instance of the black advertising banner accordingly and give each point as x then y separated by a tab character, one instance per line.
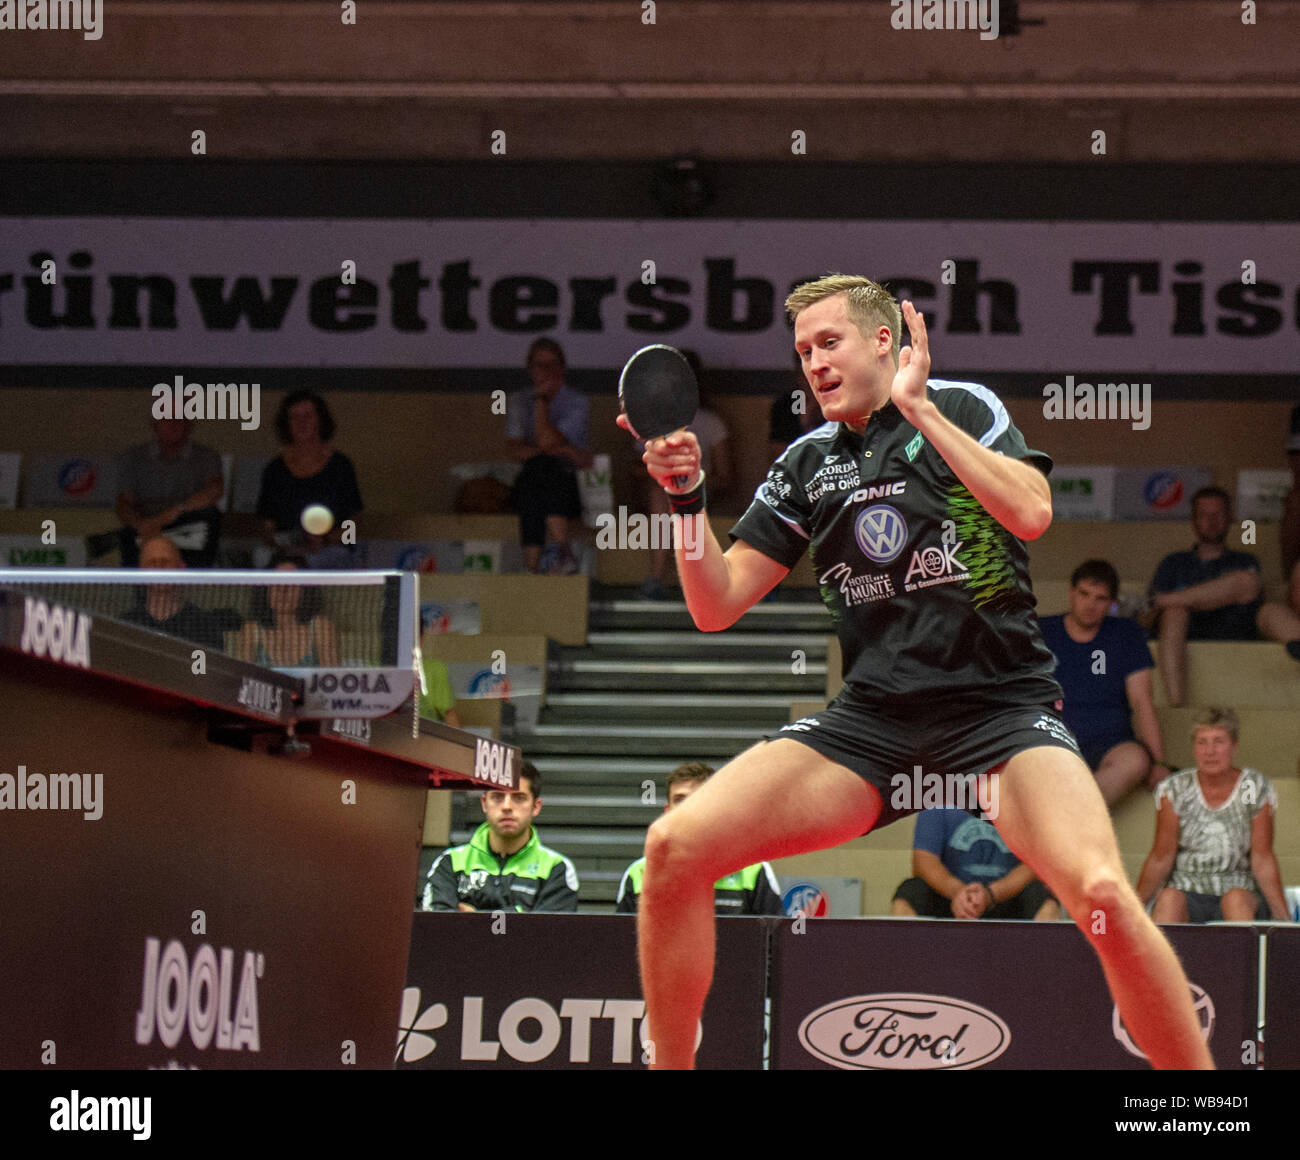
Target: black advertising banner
562	991
176	903
949	996
1282	998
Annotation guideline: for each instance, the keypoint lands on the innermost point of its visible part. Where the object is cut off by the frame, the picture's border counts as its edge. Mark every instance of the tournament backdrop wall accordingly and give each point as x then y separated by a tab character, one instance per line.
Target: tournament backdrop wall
1085	298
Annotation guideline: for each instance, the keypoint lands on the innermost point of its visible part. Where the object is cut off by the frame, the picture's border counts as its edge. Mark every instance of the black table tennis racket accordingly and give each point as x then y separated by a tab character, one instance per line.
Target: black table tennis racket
659	394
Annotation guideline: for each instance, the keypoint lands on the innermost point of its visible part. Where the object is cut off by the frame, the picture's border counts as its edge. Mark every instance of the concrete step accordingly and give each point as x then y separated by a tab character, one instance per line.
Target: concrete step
636	740
758	709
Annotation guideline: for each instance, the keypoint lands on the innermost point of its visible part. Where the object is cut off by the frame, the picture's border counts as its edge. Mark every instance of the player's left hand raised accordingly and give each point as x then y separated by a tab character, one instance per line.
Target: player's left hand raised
908	391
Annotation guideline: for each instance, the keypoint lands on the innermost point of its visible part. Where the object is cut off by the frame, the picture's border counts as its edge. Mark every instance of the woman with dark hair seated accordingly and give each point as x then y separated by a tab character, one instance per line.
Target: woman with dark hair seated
287	629
308	471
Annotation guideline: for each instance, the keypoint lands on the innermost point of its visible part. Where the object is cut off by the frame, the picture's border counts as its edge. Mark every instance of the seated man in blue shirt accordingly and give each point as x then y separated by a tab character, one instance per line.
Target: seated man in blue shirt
546	431
963	869
1207	593
1103	666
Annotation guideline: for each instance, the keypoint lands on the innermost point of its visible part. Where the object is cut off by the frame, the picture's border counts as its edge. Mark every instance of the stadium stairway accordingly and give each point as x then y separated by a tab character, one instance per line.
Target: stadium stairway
645	694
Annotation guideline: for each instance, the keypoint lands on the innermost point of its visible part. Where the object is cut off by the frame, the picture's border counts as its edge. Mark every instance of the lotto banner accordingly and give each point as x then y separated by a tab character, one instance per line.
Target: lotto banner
562	991
932	995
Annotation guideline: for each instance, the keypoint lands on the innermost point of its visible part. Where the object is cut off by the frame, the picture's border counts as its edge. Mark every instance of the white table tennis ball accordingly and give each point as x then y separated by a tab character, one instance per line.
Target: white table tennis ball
317	519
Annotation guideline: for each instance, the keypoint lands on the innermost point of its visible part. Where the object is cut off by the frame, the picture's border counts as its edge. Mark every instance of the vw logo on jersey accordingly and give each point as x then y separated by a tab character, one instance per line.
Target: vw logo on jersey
881	533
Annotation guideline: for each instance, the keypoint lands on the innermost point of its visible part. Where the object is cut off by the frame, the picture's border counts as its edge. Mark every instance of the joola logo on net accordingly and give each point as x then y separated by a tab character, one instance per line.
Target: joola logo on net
179	995
57	632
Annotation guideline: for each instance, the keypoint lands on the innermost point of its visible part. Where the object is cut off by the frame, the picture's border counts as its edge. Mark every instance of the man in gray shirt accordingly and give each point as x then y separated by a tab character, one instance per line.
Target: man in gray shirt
170	484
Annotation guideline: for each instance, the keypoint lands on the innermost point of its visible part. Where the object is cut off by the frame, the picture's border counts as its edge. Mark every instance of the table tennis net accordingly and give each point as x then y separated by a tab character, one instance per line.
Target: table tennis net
298	619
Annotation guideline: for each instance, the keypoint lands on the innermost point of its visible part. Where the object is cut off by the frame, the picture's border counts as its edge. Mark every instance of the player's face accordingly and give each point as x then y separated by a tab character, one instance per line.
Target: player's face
1210	519
511	812
680	792
842	366
1215	749
1089	603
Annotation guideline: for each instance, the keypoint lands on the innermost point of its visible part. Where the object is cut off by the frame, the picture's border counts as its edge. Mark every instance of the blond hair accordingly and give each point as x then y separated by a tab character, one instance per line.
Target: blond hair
869	304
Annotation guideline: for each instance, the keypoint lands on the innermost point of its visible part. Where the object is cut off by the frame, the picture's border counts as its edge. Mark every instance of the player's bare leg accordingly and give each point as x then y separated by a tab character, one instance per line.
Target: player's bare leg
777	799
1051	814
1124	767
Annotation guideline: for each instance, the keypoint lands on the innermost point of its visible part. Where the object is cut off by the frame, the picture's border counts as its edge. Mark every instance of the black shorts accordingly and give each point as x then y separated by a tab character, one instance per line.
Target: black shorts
929	903
951	739
1209	907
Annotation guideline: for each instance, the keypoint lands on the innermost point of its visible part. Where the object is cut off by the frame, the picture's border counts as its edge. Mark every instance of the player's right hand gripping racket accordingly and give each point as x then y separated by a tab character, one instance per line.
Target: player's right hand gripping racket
657	390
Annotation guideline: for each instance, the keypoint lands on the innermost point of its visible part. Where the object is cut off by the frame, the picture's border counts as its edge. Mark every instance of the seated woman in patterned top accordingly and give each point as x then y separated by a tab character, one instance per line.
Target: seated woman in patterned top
287	629
1214	832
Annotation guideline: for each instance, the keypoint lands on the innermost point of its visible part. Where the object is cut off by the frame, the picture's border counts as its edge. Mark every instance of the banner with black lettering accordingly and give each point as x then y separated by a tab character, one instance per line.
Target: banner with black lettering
935	995
562	991
1123	299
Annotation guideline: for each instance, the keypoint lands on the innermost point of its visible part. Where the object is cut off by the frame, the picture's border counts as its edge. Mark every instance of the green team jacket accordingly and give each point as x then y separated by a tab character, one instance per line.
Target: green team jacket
753	890
535	878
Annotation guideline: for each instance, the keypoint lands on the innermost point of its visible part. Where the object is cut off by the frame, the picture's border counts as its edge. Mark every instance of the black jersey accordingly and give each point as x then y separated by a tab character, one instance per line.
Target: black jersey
929	593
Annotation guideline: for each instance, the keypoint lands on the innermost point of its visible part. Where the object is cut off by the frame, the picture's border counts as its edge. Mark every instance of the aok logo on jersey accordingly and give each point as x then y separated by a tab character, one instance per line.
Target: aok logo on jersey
932	566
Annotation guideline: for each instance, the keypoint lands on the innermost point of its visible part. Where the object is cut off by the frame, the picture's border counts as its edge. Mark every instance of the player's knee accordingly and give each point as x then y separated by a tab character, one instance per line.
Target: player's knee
1104	890
668	855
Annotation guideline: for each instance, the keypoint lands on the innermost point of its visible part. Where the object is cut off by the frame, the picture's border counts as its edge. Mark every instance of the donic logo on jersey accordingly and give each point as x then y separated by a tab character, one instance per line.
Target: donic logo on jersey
881	533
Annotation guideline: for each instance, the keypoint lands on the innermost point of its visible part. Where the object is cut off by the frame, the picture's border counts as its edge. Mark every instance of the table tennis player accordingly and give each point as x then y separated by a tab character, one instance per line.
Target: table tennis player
914	498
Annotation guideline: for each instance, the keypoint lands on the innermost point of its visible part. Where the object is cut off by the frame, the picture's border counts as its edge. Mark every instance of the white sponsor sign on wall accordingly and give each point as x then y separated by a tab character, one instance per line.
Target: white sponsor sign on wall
1051	297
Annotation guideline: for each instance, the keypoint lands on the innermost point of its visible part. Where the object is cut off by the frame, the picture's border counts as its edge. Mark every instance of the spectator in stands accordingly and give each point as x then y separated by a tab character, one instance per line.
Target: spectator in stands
963	869
1214	831
715	458
1281	620
308	471
1207	593
169	484
1103	665
163	607
437	702
287	629
504	866
546	431
753	890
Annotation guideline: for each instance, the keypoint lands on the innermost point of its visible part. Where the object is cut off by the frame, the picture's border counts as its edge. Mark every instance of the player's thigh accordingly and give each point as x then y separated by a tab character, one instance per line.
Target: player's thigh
1052	815
774	800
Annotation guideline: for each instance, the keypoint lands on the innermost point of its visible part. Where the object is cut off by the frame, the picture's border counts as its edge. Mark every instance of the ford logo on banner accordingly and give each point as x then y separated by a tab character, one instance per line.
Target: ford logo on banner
904	1032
